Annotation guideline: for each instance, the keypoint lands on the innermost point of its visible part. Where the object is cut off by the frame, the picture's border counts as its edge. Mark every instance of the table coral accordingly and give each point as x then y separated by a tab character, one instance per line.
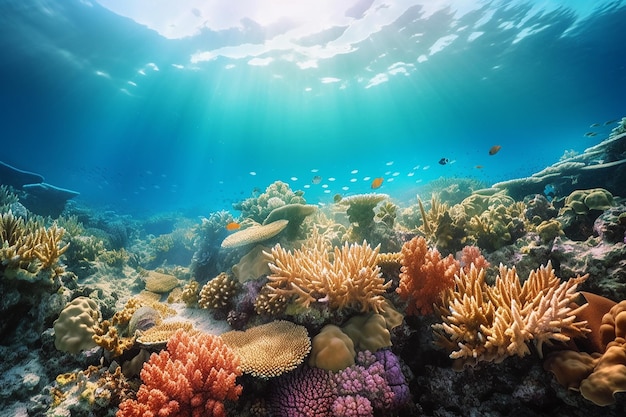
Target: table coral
351	280
271	349
424	275
193	377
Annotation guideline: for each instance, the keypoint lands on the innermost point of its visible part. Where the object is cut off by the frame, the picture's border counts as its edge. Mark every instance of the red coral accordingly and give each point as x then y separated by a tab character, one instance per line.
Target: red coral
424	275
192	378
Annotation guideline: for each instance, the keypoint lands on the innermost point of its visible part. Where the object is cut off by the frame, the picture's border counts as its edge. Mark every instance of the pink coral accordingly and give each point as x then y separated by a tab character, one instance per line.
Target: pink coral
192	377
352	406
472	255
424	275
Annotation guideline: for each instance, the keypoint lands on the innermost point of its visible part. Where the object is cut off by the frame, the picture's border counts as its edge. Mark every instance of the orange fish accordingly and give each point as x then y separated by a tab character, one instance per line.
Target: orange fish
494	149
479	167
232	226
377	182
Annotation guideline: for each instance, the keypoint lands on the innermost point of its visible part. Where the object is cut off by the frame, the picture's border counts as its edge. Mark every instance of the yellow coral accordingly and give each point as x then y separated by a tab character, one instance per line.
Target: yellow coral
75	326
352	279
29	248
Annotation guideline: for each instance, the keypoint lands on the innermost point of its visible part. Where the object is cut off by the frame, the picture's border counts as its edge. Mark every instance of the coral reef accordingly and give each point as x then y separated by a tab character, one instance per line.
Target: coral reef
597	376
194	376
207	260
30	252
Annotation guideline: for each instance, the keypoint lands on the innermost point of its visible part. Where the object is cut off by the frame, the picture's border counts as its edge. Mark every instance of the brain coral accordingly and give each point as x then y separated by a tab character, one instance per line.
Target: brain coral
74	329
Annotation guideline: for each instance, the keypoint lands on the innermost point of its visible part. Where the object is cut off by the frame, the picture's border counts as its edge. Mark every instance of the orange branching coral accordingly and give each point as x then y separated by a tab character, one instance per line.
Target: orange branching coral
424	275
490	323
352	279
193	377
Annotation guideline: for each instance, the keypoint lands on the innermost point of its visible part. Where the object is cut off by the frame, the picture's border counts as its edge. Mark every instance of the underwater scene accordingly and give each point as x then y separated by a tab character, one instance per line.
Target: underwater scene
298	208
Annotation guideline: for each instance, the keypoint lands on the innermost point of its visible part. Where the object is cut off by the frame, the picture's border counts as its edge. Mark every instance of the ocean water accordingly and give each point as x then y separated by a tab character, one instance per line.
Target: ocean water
146	106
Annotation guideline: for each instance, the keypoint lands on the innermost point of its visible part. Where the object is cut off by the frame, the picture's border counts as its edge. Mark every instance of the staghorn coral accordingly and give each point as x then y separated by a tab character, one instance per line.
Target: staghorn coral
29	251
490	323
219	292
271	349
352	280
424	275
193	377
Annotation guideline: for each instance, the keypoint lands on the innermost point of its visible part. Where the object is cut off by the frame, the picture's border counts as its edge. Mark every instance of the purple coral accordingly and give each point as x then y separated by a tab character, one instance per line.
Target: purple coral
374	383
394	377
305	392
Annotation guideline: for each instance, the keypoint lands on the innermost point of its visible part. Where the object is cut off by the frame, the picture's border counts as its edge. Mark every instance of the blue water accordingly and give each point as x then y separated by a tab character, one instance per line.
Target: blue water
149	106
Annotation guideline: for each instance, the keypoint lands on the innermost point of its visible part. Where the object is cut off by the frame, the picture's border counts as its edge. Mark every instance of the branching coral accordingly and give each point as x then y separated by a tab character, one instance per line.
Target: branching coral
30	251
490	323
424	275
193	377
351	280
